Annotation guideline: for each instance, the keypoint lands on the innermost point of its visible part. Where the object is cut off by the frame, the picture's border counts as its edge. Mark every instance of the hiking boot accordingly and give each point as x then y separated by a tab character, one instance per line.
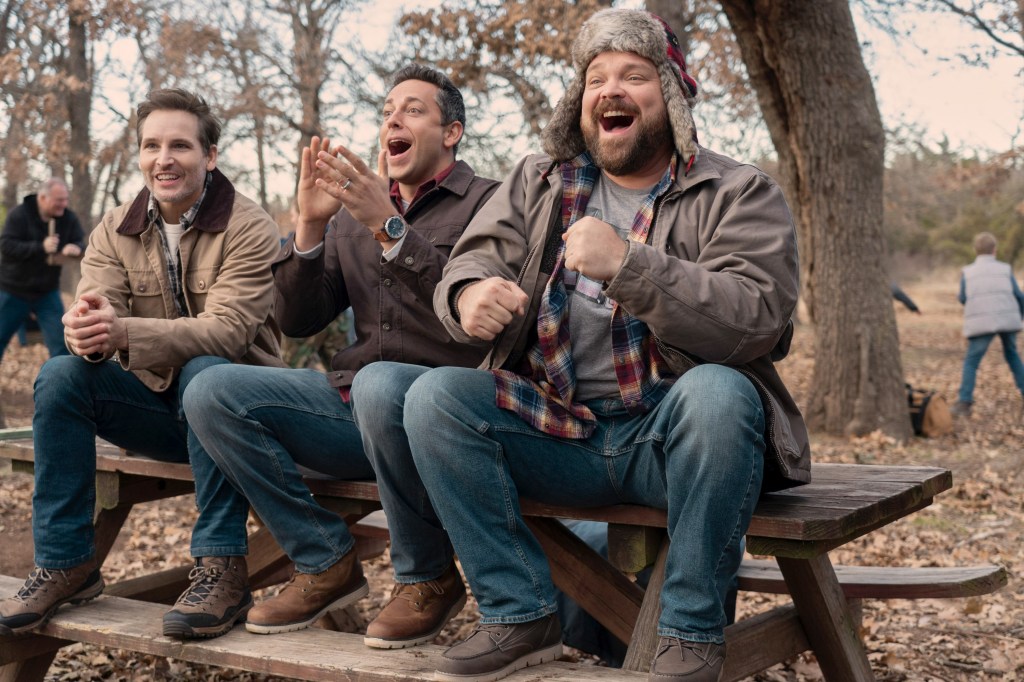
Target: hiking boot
44	592
308	596
495	651
218	598
678	660
417	612
961	409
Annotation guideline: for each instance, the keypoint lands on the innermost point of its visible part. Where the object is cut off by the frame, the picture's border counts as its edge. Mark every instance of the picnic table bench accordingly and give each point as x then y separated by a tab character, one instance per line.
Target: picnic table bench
797	527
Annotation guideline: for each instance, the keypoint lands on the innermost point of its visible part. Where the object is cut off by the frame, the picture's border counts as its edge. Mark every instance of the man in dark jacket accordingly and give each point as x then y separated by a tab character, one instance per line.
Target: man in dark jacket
375	241
37	232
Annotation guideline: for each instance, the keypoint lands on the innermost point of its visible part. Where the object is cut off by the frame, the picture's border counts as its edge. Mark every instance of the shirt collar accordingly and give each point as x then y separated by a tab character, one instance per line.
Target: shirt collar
396	196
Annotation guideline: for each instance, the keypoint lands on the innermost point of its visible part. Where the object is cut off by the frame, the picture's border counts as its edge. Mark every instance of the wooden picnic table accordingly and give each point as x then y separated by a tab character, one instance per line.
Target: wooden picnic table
797	527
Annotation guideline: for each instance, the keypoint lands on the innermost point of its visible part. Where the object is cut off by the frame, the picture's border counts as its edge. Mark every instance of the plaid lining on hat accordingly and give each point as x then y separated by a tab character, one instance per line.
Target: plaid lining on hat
546	400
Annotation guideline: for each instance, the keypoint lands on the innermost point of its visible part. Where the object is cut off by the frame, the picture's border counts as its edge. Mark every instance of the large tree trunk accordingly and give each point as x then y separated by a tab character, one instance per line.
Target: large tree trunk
805	64
79	85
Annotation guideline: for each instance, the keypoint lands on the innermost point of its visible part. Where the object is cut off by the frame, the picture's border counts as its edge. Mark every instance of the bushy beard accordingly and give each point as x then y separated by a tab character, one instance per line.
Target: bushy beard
621	157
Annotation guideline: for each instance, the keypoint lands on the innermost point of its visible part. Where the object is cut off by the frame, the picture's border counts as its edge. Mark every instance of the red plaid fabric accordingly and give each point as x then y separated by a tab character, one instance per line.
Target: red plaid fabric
545	399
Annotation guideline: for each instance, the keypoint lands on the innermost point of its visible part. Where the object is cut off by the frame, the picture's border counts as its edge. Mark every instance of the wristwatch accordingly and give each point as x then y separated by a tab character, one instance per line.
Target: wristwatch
394	228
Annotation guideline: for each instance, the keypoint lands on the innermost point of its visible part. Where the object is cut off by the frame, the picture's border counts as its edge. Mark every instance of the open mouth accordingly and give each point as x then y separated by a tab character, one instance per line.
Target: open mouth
398	147
616	121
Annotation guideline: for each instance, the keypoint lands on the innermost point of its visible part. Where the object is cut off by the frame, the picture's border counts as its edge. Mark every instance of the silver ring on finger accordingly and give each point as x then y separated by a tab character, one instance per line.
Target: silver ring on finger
345	184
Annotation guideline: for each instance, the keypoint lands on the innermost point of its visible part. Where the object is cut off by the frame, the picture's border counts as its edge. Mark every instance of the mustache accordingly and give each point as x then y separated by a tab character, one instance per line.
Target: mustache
625	107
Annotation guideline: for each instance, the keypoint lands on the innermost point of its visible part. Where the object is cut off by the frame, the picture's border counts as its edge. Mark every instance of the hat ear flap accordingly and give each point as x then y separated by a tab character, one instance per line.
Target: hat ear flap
680	115
562	137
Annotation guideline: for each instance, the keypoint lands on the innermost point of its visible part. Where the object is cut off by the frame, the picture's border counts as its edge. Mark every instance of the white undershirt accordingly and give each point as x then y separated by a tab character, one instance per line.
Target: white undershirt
172	233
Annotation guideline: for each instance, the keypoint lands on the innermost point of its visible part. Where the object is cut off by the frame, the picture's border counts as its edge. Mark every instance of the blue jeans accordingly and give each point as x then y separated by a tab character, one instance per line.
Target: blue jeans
699	454
258	425
420	549
49	308
76	401
976	349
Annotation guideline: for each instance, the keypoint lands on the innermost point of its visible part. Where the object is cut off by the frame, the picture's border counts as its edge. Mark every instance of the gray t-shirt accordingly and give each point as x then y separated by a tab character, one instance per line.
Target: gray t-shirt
590	311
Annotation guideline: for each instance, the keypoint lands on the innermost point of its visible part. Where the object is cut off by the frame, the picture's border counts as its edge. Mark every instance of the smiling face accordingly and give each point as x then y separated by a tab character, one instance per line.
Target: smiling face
624	121
53	203
418	145
173	162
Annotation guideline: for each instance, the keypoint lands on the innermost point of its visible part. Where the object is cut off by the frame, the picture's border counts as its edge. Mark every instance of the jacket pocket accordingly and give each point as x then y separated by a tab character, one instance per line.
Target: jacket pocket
197	285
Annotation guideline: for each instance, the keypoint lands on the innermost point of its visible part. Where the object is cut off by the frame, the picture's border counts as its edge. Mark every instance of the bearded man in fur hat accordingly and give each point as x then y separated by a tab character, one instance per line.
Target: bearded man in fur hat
636	289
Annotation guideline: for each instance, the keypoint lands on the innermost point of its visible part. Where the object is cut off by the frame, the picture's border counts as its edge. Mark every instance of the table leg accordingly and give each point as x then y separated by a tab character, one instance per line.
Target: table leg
826	617
644	643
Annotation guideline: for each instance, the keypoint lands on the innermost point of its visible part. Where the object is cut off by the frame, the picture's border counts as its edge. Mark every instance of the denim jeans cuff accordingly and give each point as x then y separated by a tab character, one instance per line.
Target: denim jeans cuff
514	620
61	564
324	565
702	637
219	550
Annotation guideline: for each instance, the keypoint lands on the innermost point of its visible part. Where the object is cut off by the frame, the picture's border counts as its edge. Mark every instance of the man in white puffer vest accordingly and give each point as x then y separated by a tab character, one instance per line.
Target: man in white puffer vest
993	305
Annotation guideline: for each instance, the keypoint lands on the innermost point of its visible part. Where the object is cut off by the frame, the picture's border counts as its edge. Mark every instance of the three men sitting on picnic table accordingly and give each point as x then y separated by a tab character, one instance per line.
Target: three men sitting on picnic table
631	289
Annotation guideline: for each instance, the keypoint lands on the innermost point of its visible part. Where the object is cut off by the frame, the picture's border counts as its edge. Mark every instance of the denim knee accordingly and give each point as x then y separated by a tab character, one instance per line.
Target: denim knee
59	376
204	390
723	391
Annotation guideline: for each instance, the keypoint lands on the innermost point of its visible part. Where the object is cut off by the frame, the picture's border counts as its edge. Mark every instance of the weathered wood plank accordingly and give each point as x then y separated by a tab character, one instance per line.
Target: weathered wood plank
311	654
886	582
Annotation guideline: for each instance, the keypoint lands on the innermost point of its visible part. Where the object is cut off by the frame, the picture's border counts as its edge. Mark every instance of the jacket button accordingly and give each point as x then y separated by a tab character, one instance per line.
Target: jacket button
386	326
387	282
142	287
409	260
202	284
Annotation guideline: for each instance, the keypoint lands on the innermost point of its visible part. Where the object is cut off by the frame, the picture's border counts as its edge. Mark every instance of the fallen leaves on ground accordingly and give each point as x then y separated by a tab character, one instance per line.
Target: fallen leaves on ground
979	521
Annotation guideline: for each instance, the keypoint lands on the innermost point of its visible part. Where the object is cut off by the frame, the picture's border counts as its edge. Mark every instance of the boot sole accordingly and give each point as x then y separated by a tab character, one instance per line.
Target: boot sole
87	594
177	629
340	603
538	657
381	643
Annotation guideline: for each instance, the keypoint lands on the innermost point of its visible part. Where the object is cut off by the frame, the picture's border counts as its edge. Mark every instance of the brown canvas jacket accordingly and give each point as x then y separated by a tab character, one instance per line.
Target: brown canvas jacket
716	282
390	299
225	263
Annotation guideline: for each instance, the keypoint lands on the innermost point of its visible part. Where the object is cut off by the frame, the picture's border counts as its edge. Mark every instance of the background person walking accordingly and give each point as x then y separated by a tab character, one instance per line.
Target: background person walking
993	306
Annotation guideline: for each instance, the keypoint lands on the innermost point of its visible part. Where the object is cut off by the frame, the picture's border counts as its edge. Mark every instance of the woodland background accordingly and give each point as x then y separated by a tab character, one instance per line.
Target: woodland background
787	84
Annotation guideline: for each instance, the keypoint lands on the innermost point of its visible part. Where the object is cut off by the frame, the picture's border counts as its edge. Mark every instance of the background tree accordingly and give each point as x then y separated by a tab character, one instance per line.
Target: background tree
804	62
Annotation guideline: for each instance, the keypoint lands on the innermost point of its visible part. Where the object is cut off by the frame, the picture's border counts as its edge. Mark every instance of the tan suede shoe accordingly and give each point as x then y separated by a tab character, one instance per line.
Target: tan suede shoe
417	612
306	597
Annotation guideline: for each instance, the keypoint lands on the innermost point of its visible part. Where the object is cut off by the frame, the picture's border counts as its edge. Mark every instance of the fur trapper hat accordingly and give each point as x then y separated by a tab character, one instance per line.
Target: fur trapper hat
625	30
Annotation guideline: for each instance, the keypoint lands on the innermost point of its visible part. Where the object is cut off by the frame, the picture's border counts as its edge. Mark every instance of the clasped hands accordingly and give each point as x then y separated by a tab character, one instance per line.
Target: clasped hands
91	326
592	247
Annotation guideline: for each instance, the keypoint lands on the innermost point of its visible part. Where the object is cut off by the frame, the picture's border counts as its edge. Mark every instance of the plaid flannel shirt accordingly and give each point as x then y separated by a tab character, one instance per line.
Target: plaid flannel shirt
173	260
545	399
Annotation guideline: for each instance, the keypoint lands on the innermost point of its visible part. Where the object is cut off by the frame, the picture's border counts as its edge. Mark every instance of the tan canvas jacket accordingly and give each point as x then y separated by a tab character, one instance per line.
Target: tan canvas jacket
225	264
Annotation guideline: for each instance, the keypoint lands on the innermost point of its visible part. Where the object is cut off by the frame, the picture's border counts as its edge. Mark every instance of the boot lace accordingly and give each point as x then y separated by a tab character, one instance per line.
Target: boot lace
416	593
39	579
204	580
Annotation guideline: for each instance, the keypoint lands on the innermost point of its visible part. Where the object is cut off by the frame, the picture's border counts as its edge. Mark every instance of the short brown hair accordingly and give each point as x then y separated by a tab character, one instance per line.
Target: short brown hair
984	244
176	99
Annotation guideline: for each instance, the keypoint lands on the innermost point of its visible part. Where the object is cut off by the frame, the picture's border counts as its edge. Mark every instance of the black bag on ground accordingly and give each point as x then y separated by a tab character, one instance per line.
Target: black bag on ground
929	412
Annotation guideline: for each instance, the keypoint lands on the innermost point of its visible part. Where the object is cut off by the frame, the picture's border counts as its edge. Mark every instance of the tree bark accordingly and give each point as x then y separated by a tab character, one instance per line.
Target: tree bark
79	99
804	61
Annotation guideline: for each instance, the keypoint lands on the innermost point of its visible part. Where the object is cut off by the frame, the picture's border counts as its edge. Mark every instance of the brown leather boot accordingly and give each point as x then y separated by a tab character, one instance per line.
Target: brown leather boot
417	612
306	597
218	597
44	591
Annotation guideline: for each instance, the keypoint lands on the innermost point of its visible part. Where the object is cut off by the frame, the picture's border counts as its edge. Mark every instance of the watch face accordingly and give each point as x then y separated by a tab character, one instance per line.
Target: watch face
394	227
